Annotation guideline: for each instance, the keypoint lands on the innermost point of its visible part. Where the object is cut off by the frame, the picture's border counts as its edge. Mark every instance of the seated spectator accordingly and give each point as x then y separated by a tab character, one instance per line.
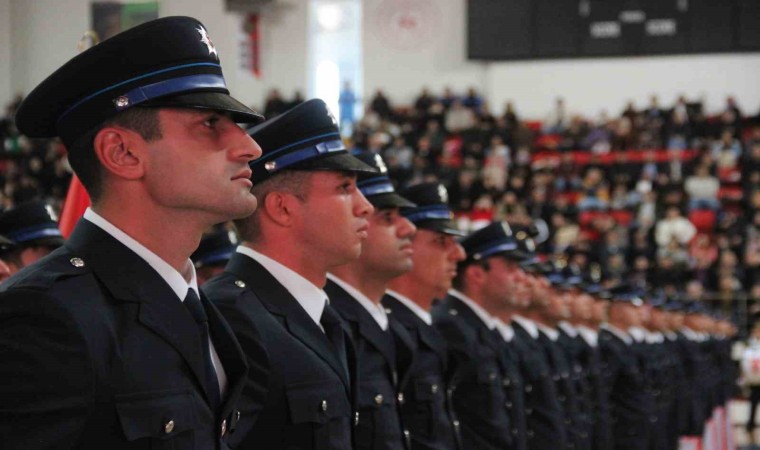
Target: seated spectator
275	104
727	150
473	101
674	226
448	98
458	118
702	189
594	190
703	251
557	120
423	102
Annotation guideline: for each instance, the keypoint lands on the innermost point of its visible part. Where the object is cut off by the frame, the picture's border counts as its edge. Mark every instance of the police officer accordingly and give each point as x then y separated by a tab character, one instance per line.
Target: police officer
384	348
470	331
105	343
427	410
630	403
33	228
214	251
311	217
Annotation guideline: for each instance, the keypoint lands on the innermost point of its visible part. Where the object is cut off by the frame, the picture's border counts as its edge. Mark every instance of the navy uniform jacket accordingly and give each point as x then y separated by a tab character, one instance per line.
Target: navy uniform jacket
575	421
380	382
513	384
427	410
599	412
99	353
544	415
478	396
693	417
307	398
679	406
629	402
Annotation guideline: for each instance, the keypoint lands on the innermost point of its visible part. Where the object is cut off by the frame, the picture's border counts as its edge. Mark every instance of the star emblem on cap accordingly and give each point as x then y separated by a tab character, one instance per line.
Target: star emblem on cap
207	40
380	164
443	194
51	212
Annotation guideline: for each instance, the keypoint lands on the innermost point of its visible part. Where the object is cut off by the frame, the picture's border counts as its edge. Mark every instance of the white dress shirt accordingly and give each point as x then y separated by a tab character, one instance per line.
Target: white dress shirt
375	310
638	334
174	279
311	298
568	328
529	325
415	308
551	333
477	309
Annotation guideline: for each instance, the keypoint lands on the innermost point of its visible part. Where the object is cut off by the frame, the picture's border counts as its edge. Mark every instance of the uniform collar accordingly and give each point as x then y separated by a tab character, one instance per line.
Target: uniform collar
638	334
311	298
375	310
529	325
587	334
618	332
477	309
415	308
505	330
174	279
551	333
568	328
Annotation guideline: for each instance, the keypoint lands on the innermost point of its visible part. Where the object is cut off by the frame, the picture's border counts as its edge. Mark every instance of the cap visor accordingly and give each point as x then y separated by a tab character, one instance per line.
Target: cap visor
442	226
49	241
390	200
217	101
341	162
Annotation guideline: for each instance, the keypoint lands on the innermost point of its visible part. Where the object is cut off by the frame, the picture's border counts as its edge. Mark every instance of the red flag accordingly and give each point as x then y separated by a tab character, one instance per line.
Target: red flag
77	201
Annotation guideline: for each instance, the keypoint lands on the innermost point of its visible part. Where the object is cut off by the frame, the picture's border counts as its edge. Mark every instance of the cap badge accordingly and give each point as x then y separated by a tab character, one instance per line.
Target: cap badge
270	165
207	40
380	164
232	236
121	101
51	213
443	194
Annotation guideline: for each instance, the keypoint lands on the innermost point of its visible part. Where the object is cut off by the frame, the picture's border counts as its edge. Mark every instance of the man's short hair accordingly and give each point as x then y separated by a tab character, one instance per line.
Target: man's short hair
295	182
458	282
85	162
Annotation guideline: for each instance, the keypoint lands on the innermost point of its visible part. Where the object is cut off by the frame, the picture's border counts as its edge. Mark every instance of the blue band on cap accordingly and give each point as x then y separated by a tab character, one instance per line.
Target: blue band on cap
172	86
217	256
492	250
376	186
31	233
434	212
113	86
304	154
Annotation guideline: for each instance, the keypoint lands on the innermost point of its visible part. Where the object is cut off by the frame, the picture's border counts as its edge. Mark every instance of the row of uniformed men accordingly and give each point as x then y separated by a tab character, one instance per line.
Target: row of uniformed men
274	353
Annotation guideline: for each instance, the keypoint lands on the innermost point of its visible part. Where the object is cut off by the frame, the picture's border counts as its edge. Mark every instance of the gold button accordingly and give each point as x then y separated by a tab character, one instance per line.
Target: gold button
434	389
324	405
224	426
77	262
240	284
379	399
169	427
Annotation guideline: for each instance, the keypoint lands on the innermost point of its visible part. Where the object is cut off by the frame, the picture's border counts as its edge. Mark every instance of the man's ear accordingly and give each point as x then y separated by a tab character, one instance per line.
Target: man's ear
282	208
475	274
120	151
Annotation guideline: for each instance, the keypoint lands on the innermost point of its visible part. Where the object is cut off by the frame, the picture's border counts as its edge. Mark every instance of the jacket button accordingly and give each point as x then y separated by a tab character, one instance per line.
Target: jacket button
434	389
400	398
237	416
224	426
356	418
508	405
528	388
456	424
324	405
77	262
492	376
506	382
379	399
169	427
530	433
240	284
515	432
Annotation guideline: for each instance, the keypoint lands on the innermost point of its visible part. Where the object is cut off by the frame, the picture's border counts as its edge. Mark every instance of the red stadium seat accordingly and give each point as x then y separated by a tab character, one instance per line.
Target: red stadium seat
703	219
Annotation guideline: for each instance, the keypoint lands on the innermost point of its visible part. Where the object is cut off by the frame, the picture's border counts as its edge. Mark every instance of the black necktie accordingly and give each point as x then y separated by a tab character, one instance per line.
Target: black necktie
193	304
333	327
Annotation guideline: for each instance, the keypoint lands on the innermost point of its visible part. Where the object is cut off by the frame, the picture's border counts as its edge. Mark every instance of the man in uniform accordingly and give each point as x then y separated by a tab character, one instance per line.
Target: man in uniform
476	353
33	228
105	342
311	218
215	249
384	349
630	404
427	411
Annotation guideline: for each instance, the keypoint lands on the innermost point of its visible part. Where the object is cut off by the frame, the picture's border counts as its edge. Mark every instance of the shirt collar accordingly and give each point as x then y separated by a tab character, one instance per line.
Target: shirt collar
415	308
551	333
590	336
568	328
174	279
505	330
655	337
311	298
375	310
638	334
618	332
477	309
529	325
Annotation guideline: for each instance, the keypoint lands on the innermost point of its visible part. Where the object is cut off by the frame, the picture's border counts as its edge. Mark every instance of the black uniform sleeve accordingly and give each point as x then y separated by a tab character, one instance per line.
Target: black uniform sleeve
46	375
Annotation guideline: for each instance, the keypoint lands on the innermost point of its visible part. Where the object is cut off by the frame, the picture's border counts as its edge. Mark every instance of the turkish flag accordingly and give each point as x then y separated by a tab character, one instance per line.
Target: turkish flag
77	201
